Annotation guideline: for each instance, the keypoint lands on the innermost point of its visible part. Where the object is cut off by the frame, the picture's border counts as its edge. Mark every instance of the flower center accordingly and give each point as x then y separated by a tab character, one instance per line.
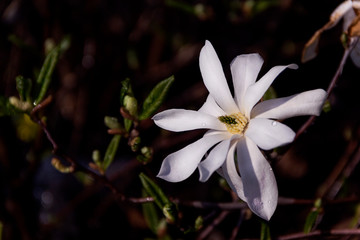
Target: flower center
235	123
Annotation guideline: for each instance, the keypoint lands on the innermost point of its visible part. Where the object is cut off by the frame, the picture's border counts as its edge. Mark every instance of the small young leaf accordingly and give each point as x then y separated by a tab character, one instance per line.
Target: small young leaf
6	108
126	89
150	214
312	216
44	79
111	151
111	122
23	85
155	98
154	191
265	231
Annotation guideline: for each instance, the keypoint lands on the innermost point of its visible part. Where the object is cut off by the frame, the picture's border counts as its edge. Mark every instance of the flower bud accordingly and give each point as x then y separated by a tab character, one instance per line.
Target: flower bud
130	104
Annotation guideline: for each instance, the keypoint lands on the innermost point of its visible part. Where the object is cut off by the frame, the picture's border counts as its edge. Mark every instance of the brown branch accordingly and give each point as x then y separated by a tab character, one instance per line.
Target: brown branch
317	233
216	222
332	84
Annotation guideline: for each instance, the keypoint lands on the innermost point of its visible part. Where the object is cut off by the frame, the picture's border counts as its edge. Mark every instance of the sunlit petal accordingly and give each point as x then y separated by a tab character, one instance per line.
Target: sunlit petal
178	120
181	164
269	134
257	90
214	78
306	103
259	184
245	69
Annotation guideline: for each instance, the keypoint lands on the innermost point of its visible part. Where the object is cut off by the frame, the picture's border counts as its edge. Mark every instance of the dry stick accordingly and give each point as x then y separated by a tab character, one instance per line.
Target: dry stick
332	84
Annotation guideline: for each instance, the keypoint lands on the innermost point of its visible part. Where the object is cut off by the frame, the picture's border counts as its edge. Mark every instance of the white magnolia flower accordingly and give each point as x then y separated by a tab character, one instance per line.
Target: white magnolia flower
238	124
349	12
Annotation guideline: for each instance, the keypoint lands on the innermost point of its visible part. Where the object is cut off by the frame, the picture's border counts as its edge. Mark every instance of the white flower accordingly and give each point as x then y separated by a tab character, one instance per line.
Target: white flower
236	123
349	11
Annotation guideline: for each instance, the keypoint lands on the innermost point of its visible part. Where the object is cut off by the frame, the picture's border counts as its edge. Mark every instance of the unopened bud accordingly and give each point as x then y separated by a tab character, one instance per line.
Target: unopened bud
111	122
60	167
130	105
21	105
170	211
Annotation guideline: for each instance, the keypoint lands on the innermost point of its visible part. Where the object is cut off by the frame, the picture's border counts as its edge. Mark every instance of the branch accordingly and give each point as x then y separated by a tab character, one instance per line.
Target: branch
347	51
317	233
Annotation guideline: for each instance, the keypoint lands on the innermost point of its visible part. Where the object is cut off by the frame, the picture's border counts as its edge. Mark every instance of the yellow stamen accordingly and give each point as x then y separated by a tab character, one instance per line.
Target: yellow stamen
235	123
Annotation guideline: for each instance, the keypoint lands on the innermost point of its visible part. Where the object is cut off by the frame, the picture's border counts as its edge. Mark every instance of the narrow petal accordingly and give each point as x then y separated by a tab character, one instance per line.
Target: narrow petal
178	120
181	164
214	78
214	161
260	187
244	70
257	90
306	103
269	134
211	107
231	175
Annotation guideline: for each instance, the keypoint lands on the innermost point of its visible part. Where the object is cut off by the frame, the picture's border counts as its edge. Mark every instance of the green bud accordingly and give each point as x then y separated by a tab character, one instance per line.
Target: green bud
170	212
199	222
21	105
112	122
135	143
130	104
96	156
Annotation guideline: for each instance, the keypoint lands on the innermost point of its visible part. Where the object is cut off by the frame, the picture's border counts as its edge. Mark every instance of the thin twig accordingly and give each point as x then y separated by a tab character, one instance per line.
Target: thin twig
235	231
332	84
317	233
209	228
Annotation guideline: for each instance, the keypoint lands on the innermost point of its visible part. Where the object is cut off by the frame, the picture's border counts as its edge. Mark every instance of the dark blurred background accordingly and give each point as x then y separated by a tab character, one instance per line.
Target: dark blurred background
148	41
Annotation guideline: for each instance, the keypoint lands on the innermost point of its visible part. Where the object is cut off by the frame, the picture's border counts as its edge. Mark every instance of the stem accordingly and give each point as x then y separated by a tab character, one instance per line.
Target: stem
347	51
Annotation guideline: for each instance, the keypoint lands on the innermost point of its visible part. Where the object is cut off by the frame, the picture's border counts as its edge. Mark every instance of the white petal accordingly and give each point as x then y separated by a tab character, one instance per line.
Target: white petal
260	187
257	90
306	103
339	12
211	107
231	175
214	161
356	4
182	120
244	70
181	164
269	134
214	78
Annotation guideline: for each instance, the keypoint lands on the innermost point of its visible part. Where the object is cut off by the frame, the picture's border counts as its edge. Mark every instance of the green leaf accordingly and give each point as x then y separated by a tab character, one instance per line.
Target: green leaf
312	216
6	109
23	85
111	151
155	98
154	191
150	214
126	89
44	79
269	94
265	231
